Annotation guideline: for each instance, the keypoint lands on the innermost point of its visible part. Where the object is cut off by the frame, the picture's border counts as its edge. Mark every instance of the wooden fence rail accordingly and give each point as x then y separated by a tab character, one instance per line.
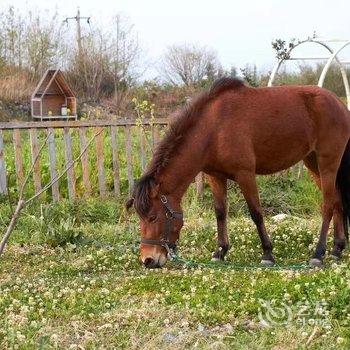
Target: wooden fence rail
126	140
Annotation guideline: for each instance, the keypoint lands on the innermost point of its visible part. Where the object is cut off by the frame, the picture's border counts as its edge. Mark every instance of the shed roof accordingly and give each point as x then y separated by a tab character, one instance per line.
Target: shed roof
53	80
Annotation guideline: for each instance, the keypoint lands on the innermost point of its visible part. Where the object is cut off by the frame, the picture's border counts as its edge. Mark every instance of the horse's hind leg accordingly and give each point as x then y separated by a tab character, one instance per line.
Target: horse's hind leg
218	186
338	223
248	186
311	163
328	168
339	236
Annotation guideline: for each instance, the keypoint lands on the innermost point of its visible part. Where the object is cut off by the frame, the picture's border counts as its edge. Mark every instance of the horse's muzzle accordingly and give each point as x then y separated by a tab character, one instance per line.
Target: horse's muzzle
150	263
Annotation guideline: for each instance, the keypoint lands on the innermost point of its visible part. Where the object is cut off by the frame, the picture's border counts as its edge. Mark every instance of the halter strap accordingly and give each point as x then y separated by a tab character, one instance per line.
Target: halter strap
164	241
170	213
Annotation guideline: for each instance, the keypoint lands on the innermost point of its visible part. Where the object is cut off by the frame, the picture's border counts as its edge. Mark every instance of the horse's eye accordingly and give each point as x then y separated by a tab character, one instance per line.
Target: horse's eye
152	218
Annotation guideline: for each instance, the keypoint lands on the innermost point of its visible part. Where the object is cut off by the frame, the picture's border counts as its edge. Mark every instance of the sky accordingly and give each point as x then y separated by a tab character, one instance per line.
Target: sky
240	31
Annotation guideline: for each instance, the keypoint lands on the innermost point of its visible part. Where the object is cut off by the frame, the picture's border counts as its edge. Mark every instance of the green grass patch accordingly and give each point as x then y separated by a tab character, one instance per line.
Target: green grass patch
70	278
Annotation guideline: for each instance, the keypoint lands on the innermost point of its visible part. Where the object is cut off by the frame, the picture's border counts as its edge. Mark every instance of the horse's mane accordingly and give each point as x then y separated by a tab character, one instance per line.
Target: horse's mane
178	128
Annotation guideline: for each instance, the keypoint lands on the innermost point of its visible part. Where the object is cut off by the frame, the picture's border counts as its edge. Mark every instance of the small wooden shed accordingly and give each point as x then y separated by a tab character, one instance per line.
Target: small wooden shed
53	98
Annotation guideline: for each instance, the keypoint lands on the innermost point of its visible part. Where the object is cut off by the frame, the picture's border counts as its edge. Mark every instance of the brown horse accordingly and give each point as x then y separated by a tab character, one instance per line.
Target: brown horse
235	132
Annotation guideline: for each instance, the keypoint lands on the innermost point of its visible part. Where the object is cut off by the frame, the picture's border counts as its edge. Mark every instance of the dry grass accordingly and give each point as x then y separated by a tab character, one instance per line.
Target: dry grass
15	85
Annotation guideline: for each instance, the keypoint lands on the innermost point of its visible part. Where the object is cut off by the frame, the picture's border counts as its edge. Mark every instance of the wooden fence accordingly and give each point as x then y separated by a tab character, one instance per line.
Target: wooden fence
120	154
20	133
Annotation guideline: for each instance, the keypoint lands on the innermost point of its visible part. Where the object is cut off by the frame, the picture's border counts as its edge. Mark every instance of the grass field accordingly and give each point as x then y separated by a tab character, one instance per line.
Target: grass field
70	279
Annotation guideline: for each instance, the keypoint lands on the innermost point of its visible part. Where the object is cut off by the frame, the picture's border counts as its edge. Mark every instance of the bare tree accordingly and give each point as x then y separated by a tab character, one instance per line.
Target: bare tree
103	63
29	42
107	63
87	66
189	64
11	37
42	43
124	54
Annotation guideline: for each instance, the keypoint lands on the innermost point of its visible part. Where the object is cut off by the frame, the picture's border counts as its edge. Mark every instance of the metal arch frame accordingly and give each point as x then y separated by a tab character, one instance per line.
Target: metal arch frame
343	72
326	67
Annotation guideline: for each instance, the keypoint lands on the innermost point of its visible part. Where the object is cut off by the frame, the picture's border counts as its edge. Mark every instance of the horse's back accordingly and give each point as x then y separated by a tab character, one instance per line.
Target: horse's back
275	127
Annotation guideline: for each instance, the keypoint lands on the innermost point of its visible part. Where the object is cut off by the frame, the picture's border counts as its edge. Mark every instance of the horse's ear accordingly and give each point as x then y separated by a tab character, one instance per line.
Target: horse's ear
129	203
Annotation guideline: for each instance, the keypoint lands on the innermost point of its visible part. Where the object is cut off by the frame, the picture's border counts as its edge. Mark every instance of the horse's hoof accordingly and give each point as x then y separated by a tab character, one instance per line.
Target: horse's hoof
336	253
265	262
219	255
334	257
314	262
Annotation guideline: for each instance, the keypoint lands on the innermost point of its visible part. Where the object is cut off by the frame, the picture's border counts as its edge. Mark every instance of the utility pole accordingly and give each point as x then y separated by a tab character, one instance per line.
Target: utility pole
78	18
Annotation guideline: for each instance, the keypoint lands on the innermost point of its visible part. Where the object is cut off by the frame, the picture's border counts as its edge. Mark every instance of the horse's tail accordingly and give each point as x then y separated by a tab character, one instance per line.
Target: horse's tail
343	184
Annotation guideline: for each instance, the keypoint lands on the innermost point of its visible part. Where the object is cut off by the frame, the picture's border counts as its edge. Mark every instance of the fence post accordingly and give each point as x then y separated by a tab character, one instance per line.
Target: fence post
53	164
35	151
143	148
155	136
100	162
115	160
128	146
18	157
300	170
69	160
85	162
3	175
200	184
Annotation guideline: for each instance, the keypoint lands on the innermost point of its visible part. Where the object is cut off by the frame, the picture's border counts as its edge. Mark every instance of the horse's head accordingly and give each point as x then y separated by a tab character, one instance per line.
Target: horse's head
161	221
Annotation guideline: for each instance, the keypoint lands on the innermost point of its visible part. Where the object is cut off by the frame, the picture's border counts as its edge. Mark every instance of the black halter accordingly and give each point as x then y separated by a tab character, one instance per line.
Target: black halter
164	241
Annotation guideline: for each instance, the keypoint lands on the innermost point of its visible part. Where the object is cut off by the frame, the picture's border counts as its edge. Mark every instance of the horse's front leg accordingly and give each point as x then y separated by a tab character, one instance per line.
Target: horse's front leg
218	186
247	183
